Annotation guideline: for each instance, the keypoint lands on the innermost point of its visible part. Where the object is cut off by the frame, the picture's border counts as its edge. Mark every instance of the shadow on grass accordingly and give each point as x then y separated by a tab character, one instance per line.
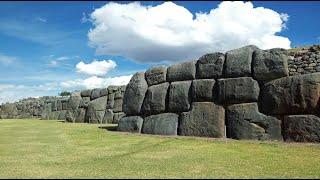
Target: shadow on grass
109	128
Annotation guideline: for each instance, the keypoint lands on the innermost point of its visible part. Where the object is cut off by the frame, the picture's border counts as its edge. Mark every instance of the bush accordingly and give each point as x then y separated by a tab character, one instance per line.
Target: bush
65	93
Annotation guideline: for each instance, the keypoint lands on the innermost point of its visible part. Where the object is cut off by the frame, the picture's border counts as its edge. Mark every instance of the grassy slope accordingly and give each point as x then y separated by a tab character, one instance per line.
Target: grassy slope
51	149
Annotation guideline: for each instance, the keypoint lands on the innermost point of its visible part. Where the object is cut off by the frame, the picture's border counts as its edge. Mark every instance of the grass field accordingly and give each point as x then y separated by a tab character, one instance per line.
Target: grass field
52	149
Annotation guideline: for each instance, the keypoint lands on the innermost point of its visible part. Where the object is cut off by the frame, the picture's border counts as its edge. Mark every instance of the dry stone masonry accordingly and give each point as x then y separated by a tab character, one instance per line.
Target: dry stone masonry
101	105
246	93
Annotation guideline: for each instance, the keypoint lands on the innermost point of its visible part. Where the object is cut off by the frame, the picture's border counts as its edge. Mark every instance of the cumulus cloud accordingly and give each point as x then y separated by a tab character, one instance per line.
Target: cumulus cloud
95	82
169	32
98	68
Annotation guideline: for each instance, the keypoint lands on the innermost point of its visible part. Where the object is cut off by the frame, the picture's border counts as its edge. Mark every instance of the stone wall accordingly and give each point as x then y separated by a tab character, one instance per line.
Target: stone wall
304	60
246	93
89	106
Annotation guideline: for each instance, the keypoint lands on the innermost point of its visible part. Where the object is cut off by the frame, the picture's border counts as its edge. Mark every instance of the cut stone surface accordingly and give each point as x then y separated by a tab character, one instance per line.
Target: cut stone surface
182	71
238	61
117	105
161	124
301	128
205	119
95	94
270	64
134	94
210	66
244	121
179	99
202	89
110	103
103	92
291	95
117	117
86	93
130	124
237	90
96	110
156	75
108	116
155	100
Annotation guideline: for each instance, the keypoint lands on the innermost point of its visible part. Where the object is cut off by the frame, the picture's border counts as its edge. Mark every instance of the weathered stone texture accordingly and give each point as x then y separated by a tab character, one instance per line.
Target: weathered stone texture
130	124
155	100
291	95
179	99
237	90
134	94
204	119
301	128
270	64
210	66
182	71
238	62
161	124
202	90
244	121
156	75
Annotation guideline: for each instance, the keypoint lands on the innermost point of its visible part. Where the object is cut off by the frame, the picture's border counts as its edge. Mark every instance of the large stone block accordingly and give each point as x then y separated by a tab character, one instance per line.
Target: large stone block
80	115
301	128
237	90
156	75
238	62
182	71
155	100
202	89
205	119
84	102
74	102
108	116
103	92
96	110
95	94
270	64
291	95
179	99
210	66
130	124
117	105
161	124
134	94
244	121
117	117
86	93
110	103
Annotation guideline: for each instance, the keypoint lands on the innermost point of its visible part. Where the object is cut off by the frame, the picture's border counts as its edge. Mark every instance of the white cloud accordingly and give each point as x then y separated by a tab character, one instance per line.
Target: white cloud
98	68
12	92
169	32
95	82
84	18
40	19
6	60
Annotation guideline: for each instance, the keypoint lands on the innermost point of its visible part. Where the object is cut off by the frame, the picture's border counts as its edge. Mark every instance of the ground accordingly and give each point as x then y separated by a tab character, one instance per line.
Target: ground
54	149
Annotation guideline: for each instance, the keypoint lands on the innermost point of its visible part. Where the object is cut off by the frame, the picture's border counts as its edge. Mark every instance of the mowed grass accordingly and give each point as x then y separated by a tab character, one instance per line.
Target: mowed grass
52	149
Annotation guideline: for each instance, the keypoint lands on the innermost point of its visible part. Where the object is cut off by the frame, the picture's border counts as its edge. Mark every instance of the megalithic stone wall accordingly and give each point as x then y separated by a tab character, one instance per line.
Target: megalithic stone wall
102	105
246	93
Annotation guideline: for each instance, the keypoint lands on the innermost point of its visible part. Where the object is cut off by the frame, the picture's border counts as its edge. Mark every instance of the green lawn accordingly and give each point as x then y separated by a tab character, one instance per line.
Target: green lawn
52	149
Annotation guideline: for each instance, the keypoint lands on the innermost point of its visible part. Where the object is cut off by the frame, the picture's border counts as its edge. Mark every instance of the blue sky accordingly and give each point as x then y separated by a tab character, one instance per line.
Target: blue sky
41	43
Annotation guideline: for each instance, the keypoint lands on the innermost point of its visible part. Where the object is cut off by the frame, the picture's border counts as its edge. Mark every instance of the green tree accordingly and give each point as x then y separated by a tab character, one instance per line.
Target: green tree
65	93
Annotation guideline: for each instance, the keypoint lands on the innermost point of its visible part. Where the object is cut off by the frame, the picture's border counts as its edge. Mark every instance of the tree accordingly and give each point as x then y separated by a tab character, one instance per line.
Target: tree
65	93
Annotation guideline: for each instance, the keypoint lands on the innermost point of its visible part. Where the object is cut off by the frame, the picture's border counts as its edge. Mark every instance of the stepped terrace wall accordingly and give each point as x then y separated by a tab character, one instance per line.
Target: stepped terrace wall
246	93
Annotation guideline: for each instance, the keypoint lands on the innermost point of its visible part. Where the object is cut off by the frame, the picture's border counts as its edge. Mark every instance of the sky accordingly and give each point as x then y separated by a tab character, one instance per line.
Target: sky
49	47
